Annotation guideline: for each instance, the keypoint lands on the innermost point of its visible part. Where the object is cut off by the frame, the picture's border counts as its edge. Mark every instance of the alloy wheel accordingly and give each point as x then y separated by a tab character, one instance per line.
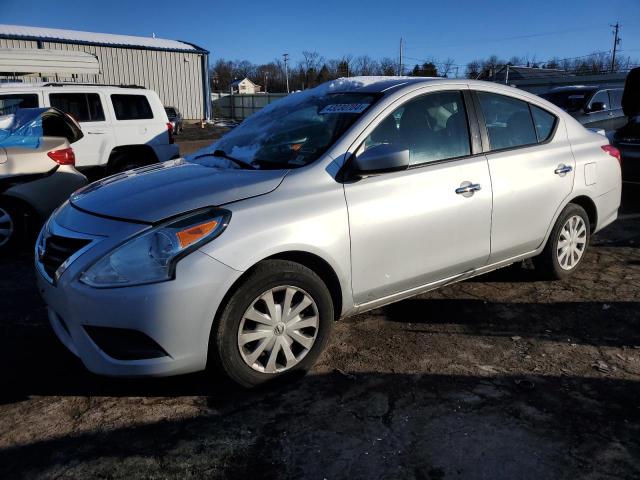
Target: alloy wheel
6	227
278	329
572	242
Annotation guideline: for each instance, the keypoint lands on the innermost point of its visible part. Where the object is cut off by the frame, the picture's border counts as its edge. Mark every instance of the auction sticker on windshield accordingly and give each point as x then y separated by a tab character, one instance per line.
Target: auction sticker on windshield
344	108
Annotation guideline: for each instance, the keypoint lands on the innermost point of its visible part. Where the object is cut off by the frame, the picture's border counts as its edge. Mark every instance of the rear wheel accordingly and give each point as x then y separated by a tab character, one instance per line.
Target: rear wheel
567	244
275	324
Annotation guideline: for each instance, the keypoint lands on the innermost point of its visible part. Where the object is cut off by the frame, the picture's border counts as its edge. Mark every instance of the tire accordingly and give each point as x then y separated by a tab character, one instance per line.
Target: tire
279	280
558	263
13	226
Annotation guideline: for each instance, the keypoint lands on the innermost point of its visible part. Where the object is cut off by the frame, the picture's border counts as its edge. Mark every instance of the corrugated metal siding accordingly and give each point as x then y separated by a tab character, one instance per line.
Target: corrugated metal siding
176	76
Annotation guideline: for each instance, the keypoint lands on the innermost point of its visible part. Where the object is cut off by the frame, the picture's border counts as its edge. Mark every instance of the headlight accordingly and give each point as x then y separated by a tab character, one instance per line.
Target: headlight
152	256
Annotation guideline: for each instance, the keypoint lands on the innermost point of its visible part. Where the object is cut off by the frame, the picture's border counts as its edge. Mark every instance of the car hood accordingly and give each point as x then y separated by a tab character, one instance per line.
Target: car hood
154	193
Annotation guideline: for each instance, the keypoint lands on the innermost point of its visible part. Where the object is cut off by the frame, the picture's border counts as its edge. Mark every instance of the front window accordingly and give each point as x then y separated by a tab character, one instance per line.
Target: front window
293	132
432	127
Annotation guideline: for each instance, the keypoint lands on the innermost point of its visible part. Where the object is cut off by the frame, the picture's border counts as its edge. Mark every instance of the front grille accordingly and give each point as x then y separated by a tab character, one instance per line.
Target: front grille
58	249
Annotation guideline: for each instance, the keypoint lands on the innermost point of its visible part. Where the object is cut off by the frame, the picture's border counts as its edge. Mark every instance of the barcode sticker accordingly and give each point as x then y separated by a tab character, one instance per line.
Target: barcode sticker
344	108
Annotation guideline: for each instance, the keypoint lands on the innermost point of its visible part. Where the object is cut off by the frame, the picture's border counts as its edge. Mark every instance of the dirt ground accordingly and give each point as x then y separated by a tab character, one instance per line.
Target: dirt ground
193	138
502	377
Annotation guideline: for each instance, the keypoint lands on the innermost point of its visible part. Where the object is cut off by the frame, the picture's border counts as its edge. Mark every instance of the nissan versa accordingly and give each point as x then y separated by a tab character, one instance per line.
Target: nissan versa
330	202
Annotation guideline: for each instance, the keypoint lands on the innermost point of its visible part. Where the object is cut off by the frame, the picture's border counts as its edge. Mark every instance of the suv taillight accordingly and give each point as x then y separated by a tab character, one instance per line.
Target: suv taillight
64	156
170	130
613	151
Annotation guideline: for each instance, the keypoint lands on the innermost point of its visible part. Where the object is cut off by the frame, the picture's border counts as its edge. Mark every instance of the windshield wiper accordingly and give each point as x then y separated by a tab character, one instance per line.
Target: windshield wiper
221	154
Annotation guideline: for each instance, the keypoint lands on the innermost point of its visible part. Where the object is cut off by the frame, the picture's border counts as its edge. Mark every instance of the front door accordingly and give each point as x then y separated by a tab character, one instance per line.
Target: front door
421	225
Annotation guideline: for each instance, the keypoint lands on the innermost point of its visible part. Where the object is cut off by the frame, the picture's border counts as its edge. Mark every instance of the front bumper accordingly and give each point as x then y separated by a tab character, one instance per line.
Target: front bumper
177	314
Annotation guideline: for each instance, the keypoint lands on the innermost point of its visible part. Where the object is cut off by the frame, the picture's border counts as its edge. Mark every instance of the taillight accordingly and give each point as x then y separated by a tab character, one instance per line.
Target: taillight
170	130
613	151
63	156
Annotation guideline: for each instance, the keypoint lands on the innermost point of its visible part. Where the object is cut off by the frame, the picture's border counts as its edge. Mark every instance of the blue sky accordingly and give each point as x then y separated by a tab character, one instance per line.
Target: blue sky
259	31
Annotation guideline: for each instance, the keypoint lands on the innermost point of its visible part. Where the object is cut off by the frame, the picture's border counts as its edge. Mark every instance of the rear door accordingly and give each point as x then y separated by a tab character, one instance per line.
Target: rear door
532	170
87	108
415	227
137	121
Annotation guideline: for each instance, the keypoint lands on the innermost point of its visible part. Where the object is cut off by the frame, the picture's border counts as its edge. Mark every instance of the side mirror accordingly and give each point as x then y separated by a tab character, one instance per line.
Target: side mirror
597	107
380	159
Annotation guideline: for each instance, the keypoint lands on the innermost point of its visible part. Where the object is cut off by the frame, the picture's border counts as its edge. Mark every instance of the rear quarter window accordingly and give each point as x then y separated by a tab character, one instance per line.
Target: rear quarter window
544	122
131	107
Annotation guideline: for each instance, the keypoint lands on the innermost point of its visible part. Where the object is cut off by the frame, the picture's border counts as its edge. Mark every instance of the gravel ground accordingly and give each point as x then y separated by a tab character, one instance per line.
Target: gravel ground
501	377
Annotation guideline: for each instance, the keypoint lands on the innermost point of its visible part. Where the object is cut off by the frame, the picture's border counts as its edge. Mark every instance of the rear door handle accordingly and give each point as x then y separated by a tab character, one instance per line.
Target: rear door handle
562	170
467	189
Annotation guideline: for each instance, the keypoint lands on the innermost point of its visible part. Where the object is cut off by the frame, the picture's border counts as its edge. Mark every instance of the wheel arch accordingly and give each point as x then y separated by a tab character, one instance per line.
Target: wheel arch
590	207
144	151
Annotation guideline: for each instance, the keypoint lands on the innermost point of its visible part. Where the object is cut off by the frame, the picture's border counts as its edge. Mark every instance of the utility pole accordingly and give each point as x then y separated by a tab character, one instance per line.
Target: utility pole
286	70
400	66
616	42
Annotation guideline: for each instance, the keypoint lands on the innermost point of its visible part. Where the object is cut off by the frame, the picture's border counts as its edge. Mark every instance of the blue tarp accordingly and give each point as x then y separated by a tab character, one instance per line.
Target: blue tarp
22	128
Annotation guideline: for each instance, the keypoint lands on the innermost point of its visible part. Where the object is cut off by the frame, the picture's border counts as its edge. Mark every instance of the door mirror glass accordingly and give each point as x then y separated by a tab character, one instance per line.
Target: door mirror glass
597	107
382	158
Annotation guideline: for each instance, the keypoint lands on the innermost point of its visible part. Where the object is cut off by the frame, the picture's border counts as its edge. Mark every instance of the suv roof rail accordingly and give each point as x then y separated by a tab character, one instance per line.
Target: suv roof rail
72	84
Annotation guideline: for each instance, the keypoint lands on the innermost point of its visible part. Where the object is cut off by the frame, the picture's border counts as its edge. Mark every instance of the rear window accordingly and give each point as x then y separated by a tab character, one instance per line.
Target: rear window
171	112
11	102
131	107
616	98
83	107
508	121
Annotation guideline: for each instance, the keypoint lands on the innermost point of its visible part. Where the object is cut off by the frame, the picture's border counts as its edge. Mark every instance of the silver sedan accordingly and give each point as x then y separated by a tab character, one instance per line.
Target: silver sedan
328	203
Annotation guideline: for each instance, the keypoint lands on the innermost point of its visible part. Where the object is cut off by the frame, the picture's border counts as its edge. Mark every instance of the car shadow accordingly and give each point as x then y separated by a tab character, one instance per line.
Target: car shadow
367	425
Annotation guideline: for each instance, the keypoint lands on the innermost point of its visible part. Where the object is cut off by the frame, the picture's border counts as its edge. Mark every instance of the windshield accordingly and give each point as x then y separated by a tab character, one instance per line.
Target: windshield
569	100
171	112
292	132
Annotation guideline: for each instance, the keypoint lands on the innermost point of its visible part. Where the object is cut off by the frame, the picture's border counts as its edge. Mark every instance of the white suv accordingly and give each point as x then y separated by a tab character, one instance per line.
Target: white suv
124	127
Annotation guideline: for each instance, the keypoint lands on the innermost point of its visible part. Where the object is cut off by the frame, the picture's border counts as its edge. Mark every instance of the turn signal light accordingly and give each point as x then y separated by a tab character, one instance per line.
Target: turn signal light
192	234
64	156
613	151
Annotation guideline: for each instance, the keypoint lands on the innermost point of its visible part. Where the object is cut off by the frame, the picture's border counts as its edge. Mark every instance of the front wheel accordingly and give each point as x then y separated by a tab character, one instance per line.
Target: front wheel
276	323
566	245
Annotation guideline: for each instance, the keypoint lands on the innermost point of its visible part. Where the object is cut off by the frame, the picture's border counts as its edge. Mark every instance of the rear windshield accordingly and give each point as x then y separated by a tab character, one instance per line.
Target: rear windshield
569	100
171	112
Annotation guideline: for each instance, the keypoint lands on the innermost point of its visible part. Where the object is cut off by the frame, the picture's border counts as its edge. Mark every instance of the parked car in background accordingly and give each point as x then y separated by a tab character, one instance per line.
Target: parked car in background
124	127
327	203
627	138
594	107
175	117
37	171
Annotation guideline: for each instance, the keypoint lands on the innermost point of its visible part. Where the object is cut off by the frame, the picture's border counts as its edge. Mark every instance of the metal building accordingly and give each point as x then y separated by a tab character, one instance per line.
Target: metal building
176	70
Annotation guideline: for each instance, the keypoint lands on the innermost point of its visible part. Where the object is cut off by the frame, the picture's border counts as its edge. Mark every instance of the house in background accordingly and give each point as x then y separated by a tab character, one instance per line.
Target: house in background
244	86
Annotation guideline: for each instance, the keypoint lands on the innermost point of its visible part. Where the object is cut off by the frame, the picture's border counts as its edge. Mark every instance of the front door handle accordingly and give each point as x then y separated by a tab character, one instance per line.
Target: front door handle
562	170
96	132
467	189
